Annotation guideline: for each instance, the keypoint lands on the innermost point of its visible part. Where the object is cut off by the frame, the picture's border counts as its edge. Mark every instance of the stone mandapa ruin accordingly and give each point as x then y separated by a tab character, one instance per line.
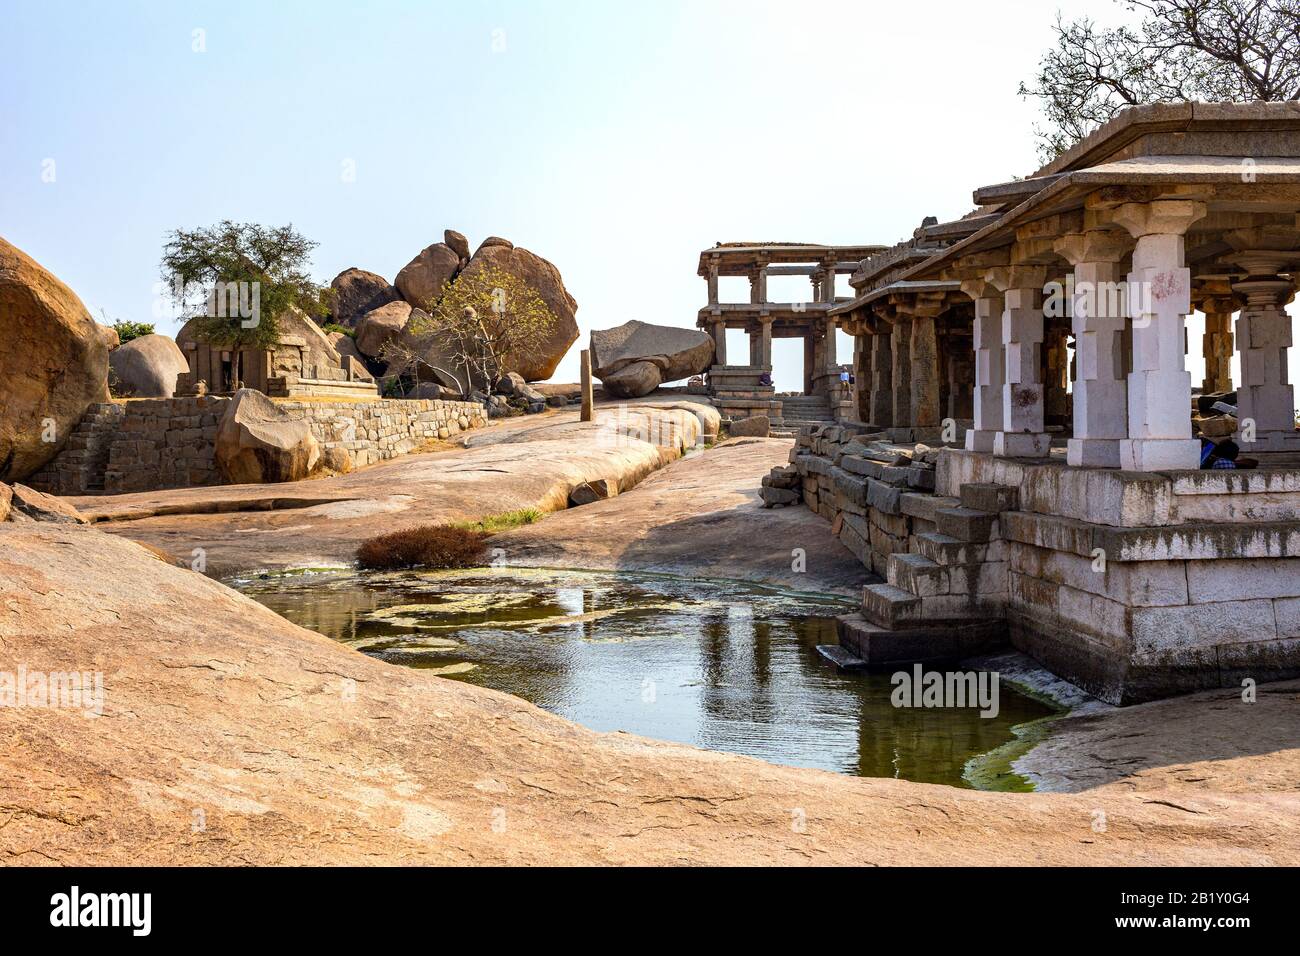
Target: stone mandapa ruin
1068	511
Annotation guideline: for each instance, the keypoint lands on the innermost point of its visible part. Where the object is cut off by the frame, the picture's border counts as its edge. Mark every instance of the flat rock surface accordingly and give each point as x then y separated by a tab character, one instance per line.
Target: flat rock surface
229	736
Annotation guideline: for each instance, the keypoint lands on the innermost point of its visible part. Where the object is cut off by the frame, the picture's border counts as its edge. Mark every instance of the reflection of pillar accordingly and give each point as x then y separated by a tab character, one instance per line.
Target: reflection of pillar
1217	346
1100	405
987	342
901	341
1022	434
1160	289
1265	398
882	380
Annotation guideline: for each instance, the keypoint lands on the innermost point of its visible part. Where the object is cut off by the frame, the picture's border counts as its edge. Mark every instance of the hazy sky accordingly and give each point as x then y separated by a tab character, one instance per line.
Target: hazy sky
615	139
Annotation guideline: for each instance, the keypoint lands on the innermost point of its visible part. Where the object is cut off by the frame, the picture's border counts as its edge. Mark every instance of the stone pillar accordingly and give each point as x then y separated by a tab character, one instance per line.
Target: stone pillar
765	342
1022	434
989	369
1056	374
862	376
882	380
754	346
719	330
1217	344
923	350
809	363
961	378
588	395
901	341
1264	397
1159	298
713	283
1098	317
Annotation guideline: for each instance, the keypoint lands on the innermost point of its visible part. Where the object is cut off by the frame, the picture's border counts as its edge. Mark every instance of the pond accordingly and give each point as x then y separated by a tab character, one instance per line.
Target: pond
716	664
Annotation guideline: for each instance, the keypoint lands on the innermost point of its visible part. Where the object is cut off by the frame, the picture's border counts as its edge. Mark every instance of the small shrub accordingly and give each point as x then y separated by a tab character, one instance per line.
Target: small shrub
491	524
430	546
127	330
335	327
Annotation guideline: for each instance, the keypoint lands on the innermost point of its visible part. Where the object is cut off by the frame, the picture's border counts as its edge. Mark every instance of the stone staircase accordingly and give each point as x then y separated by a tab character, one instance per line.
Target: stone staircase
945	600
800	410
81	463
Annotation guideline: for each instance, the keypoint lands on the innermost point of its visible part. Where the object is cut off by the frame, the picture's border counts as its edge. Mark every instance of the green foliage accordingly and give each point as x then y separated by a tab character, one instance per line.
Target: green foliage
343	329
492	524
430	546
127	330
248	274
481	320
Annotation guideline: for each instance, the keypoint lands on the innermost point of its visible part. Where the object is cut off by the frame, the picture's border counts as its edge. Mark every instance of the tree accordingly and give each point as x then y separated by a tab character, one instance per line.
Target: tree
127	330
480	321
237	279
1180	51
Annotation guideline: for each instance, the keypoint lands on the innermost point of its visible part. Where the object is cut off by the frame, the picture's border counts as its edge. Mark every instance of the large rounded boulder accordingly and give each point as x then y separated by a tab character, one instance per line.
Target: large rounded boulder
376	329
357	292
146	367
53	363
258	443
545	280
421	280
634	358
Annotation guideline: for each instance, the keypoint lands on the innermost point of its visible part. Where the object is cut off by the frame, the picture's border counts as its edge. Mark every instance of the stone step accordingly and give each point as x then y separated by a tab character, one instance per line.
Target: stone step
887	606
841	657
947	551
881	648
929	580
967	524
916	574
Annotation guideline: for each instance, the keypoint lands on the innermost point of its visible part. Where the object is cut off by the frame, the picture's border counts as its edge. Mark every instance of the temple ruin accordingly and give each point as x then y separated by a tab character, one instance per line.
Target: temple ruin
1041	340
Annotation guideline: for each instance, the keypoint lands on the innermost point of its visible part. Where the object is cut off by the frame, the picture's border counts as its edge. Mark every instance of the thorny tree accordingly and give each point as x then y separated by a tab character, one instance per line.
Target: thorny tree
481	322
1181	51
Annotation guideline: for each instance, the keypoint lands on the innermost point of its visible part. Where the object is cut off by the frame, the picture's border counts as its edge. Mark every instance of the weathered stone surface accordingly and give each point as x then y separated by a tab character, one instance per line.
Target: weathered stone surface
456	242
376	329
676	353
420	281
53	363
592	491
146	367
632	381
6	500
543	278
347	348
756	426
41	507
357	292
256	442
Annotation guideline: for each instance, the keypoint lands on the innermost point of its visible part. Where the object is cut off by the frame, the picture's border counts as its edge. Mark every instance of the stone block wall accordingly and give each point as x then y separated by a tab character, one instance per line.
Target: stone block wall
165	443
386	428
145	445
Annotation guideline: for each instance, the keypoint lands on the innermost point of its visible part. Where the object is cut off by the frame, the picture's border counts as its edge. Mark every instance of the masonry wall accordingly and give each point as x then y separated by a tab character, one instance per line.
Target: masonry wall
144	445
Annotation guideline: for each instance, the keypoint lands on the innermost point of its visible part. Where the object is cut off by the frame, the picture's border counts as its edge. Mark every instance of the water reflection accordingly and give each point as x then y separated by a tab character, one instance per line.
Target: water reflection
716	664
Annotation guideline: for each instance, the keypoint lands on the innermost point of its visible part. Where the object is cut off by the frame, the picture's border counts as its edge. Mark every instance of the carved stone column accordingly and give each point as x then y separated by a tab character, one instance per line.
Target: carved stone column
1160	289
882	378
1217	344
1265	399
901	342
989	371
1022	434
1099	322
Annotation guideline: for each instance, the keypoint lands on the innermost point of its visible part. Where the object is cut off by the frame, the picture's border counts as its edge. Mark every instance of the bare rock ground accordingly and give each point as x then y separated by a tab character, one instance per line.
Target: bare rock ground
228	735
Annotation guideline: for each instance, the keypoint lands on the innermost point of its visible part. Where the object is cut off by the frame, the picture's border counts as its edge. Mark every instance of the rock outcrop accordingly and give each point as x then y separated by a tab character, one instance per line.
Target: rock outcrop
146	367
357	292
544	278
636	357
456	242
53	363
376	329
421	279
347	348
257	442
32	505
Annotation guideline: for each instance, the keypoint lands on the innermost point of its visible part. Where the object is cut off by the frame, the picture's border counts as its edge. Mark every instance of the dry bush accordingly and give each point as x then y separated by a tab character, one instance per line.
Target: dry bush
430	546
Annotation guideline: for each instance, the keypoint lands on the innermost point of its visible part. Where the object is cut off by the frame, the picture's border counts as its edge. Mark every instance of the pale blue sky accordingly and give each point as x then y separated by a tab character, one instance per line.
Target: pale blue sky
615	139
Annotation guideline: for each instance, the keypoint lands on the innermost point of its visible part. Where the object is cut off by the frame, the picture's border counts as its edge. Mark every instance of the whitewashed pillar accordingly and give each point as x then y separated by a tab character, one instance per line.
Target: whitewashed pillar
1159	299
1265	400
989	372
1022	434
